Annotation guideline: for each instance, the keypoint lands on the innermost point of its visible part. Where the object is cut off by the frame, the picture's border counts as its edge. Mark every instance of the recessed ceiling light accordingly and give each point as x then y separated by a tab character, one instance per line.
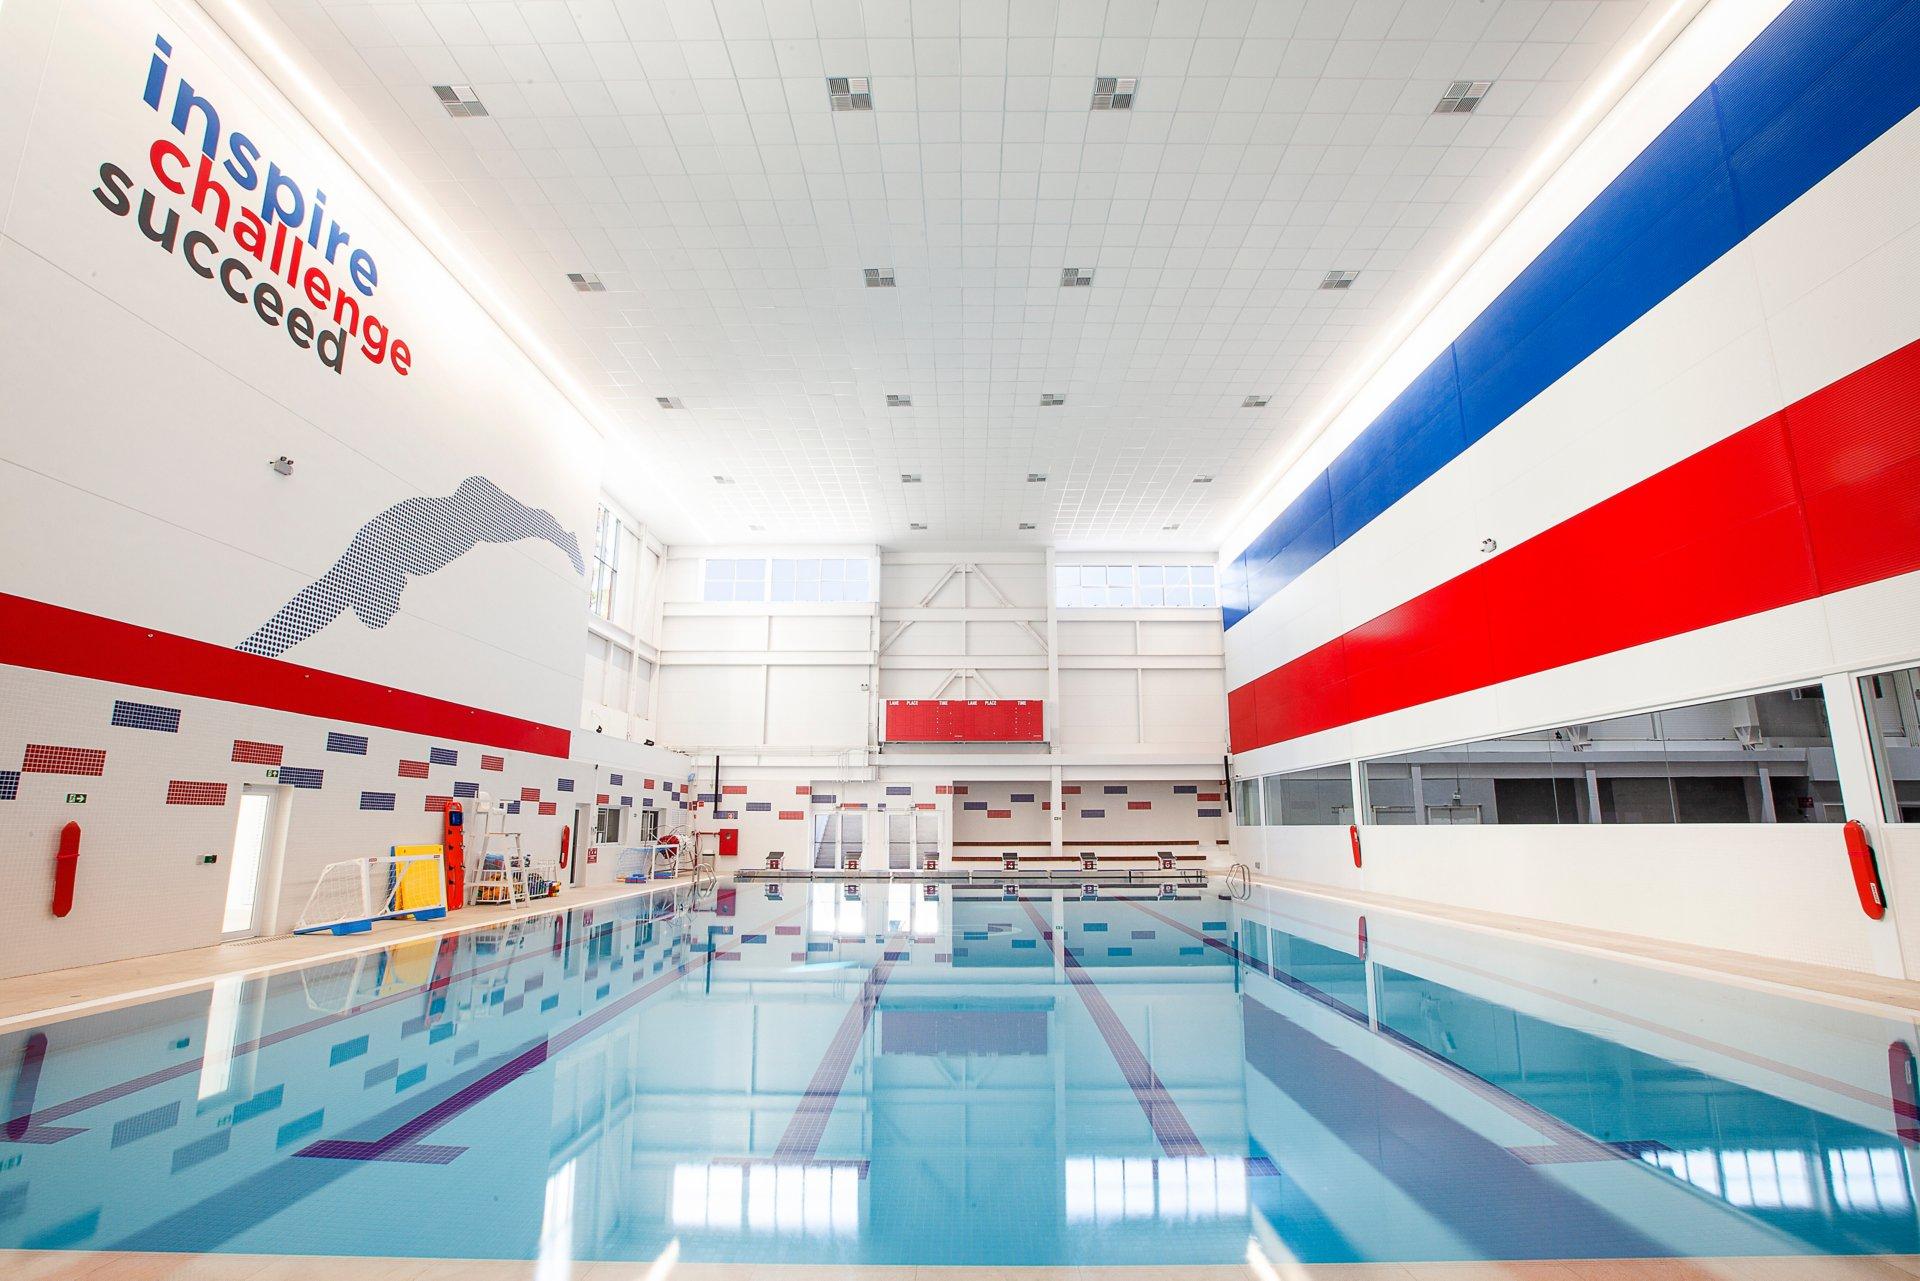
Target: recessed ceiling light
460	101
1036	478
1113	93
1339	279
1203	480
1075	277
1025	525
668	402
909	478
1255	402
879	277
1461	97
916	525
849	93
899	402
723	480
1052	398
586	282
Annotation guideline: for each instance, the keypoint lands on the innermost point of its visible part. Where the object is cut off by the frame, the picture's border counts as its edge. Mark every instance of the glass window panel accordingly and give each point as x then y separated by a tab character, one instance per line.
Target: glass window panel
831	571
750	580
1180	595
1155	575
833	589
1093	576
1153	595
1246	803
1119	576
857	580
1119	595
1270	800
1312	798
1203	594
1202	573
1889	698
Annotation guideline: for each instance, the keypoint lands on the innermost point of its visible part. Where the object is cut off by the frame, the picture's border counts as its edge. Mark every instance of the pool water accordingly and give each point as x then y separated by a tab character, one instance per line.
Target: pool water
936	1074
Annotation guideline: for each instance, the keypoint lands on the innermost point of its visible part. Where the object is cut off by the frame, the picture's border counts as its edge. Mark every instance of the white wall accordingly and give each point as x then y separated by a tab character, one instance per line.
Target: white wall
1819	291
143	406
791	696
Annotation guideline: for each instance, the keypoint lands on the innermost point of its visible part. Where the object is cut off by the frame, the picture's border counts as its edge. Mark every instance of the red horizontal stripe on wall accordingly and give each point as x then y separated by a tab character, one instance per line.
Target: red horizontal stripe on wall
1818	498
493	763
1139	805
793	814
734	789
999	813
49	638
413	769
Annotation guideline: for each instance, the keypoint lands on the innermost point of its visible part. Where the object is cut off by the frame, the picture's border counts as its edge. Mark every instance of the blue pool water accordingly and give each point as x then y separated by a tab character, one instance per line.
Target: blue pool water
858	1072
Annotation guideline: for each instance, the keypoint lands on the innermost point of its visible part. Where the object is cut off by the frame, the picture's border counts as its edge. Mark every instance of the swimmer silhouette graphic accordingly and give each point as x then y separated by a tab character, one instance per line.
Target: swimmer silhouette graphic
410	539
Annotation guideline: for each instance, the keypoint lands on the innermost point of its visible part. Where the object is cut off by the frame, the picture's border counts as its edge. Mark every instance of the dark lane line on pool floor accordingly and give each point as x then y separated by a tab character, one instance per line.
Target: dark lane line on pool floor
1169	1123
808	1125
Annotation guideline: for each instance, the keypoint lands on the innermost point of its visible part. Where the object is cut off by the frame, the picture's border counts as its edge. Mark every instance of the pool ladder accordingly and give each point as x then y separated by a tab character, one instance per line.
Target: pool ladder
1240	881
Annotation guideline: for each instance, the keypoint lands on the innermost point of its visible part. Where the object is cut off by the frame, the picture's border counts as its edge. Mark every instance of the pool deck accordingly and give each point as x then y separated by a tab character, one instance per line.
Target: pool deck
73	1266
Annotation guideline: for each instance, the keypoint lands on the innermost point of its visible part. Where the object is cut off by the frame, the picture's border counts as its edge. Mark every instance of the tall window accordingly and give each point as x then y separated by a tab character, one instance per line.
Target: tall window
606	561
1133	586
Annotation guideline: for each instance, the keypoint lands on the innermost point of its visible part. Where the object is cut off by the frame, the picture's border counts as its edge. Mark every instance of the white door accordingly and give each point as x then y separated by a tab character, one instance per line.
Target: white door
252	836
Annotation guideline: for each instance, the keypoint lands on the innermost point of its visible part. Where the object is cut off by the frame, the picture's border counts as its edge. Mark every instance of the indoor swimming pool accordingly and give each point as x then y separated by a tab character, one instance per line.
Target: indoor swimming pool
910	1073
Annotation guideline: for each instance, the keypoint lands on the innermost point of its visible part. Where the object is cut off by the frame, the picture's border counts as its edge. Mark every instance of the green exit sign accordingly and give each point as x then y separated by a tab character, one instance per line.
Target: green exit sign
76	798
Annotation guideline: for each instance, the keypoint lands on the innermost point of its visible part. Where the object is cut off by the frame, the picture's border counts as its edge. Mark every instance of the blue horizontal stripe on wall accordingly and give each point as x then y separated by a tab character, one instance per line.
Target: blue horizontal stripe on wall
513	807
376	800
759	807
616	780
900	791
1093	813
351	744
825	798
1021	798
146	716
9	784
973	805
443	756
646	802
1208	814
1115	789
466	790
628	801
563	785
1185	789
1824	80
302	776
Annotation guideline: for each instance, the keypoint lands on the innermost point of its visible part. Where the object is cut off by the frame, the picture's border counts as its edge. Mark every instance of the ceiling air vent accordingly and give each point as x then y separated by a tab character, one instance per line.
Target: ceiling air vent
879	277
1075	277
1113	93
849	93
1339	279
668	402
1052	398
460	101
899	402
1026	525
916	525
1036	478
1255	402
909	478
586	282
1461	97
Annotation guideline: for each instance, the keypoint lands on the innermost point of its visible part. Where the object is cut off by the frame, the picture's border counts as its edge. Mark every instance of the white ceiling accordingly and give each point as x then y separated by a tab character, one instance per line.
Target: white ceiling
684	151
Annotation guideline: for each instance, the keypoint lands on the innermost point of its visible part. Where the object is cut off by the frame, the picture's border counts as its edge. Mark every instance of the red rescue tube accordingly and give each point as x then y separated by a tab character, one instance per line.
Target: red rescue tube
1866	872
66	867
1363	938
566	839
1353	834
